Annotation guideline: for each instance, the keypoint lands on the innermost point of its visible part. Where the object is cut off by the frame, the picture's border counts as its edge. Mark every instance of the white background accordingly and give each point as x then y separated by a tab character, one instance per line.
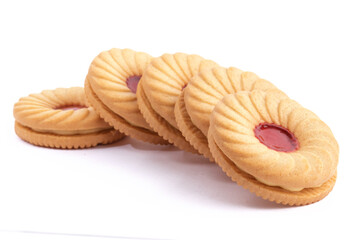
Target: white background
130	189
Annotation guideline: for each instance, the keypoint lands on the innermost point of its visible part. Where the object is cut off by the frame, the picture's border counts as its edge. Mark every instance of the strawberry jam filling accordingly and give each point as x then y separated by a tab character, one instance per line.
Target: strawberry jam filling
70	107
132	83
276	137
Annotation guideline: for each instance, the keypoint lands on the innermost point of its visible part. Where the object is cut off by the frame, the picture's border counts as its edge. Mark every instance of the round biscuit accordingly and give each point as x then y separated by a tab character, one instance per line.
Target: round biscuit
108	77
270	193
42	120
310	165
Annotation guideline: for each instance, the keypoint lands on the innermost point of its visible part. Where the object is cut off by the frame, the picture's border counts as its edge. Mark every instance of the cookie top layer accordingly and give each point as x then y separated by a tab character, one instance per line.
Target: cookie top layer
233	126
63	110
206	89
167	76
113	76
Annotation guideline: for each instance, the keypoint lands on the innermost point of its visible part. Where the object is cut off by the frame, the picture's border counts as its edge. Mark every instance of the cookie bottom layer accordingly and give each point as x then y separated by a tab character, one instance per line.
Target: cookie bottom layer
118	122
67	141
276	194
191	133
160	125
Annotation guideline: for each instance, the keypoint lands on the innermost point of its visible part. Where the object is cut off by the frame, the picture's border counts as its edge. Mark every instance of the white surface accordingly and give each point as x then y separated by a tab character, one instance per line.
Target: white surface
131	189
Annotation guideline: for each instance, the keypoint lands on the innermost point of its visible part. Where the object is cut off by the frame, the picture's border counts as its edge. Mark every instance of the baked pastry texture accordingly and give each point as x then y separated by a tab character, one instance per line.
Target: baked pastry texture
61	118
161	85
111	86
273	146
203	92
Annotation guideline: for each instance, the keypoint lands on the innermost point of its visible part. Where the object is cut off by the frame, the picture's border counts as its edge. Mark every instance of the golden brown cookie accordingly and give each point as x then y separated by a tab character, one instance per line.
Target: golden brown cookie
61	118
111	86
201	95
161	84
274	147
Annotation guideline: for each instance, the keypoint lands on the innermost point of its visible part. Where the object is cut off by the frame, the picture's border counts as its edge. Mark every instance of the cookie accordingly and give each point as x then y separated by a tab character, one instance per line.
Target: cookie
161	85
111	86
61	118
274	147
203	92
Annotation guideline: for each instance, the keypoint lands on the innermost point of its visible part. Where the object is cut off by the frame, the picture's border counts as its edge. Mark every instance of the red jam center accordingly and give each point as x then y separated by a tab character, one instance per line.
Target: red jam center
132	83
276	137
72	107
184	87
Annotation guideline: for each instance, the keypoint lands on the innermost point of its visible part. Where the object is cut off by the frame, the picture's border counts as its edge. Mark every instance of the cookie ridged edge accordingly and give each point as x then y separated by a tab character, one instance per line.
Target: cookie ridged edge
191	133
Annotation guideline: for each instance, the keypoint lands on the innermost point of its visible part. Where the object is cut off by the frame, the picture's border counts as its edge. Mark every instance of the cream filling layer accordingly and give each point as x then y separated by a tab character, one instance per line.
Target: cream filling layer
72	132
274	185
286	188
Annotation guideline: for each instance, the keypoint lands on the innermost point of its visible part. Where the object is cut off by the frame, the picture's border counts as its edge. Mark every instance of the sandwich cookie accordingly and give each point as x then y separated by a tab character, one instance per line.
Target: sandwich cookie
61	118
111	86
274	147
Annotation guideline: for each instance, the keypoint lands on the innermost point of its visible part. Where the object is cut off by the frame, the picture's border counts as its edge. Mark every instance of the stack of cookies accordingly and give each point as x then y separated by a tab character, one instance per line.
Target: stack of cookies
262	139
